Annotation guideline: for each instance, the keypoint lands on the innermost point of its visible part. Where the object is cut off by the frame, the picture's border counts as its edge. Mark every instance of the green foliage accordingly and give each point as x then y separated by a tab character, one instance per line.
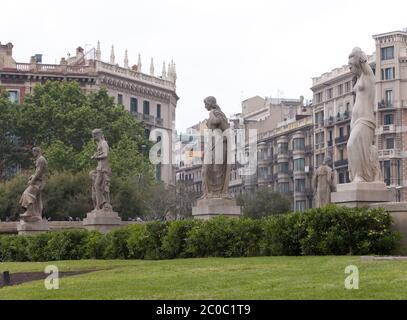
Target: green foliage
263	203
318	232
67	194
174	243
224	237
145	241
116	244
59	117
10	193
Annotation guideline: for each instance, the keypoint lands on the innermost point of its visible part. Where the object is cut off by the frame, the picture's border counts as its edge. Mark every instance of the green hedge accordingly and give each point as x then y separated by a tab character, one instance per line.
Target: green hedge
329	231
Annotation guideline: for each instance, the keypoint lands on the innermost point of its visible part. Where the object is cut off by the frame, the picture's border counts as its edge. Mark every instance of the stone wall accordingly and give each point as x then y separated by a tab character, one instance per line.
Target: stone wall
11	227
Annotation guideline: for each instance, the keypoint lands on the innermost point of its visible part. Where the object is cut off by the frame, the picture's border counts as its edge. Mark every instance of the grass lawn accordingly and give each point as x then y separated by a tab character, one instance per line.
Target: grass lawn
242	278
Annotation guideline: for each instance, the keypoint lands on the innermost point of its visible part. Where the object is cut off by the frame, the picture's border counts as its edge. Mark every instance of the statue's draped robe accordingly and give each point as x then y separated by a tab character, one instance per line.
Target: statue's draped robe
31	199
215	173
323	183
101	182
362	154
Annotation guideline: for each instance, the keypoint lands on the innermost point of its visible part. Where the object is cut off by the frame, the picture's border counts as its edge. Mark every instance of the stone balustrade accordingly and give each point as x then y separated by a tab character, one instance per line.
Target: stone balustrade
11	227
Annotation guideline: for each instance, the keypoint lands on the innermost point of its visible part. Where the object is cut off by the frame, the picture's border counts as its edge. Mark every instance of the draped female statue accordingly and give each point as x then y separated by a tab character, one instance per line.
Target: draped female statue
216	170
362	153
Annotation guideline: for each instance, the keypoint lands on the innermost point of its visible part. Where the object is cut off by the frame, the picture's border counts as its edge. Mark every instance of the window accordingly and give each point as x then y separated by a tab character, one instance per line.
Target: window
318	97
14	96
300	185
341	154
387	53
387	172
299	165
340	90
329	93
283	167
300	206
146	107
159	111
299	144
120	99
330	135
390	143
341	132
388	73
283	148
347	86
133	105
284	187
388	119
389	98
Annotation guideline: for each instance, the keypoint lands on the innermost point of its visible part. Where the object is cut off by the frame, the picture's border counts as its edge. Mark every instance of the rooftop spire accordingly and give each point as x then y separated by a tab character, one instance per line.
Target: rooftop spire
163	72
139	63
152	67
126	59
98	52
112	57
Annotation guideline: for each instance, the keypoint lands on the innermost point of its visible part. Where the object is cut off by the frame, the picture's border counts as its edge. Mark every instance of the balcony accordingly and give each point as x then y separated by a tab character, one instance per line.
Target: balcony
390	154
330	143
385	105
340	163
341	140
148	118
386	129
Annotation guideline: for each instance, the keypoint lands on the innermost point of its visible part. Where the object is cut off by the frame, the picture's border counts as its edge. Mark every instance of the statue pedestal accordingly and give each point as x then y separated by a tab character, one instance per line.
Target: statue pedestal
211	208
361	194
28	226
102	221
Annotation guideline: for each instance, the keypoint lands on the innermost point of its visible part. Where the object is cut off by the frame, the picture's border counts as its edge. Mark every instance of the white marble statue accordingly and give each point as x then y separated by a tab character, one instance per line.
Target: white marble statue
362	153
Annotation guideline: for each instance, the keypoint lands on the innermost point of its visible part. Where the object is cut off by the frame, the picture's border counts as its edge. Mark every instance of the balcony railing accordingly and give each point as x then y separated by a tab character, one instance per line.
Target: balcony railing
341	140
391	153
341	163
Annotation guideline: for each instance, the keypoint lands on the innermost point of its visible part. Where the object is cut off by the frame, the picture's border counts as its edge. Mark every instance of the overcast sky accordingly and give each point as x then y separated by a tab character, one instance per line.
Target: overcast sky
230	49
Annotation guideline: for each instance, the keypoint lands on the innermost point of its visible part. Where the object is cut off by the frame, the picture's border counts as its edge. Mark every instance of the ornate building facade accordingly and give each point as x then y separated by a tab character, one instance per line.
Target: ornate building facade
150	98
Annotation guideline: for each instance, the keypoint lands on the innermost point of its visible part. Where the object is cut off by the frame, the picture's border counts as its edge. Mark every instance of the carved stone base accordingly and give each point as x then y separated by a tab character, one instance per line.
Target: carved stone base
361	194
102	221
211	208
32	225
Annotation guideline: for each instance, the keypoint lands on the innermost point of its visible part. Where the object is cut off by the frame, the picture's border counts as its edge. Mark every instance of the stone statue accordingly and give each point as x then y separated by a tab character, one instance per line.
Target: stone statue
102	175
102	217
215	173
323	184
31	199
362	154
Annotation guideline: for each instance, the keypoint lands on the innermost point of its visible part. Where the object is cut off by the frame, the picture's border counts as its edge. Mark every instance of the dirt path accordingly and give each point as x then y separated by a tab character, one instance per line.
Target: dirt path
23	277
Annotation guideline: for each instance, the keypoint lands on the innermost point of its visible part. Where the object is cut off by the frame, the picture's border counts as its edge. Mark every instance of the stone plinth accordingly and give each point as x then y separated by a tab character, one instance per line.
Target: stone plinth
28	226
398	211
361	194
102	221
211	208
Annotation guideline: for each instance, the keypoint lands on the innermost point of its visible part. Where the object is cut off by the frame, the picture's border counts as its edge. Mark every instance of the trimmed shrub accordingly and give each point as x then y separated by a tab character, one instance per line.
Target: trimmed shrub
174	243
282	235
328	231
13	248
66	245
145	240
95	246
116	244
225	237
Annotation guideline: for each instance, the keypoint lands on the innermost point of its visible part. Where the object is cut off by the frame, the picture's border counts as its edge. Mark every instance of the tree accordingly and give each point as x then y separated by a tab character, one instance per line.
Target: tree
11	151
263	203
60	117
